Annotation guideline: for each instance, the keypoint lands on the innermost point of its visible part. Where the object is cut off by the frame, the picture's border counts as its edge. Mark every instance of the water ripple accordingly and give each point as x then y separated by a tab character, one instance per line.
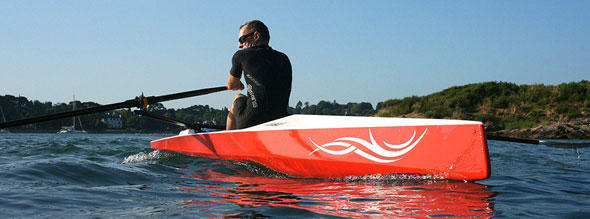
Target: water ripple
118	175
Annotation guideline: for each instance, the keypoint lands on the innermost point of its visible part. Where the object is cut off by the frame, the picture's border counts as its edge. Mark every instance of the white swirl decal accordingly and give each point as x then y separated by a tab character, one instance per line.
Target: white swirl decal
386	155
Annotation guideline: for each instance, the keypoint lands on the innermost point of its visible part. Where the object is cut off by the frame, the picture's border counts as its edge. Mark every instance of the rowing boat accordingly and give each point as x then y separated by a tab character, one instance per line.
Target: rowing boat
317	146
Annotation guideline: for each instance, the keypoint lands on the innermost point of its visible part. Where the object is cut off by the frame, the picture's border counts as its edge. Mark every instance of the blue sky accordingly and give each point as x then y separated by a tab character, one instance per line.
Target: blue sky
348	51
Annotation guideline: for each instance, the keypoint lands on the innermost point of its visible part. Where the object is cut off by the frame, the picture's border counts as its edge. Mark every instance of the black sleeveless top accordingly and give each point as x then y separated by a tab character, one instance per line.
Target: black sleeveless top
268	77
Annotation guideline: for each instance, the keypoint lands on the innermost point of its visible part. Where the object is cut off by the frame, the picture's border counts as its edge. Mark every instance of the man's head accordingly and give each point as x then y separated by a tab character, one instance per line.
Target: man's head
253	33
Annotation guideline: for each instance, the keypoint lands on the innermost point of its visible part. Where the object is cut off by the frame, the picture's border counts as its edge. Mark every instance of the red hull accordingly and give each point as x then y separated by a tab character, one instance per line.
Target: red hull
447	151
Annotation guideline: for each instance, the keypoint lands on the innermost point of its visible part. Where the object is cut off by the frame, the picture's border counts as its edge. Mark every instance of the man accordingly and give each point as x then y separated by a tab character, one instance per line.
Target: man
268	77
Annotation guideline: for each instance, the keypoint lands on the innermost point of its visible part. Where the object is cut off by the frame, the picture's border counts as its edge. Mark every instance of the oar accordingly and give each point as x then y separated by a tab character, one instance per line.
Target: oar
139	102
195	126
548	143
510	139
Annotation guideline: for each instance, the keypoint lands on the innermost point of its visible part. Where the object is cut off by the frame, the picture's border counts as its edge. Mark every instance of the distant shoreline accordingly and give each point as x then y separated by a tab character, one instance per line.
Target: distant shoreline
577	129
524	111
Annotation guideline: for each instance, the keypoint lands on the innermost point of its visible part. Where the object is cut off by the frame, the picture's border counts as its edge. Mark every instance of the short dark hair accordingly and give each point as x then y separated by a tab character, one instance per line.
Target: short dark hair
258	26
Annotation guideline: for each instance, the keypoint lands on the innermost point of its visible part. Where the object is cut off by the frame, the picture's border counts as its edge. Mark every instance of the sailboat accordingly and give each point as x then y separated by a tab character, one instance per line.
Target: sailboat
4	119
72	129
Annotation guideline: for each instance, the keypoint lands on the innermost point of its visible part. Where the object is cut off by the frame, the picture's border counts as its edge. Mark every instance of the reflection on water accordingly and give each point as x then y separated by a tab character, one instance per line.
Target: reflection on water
410	198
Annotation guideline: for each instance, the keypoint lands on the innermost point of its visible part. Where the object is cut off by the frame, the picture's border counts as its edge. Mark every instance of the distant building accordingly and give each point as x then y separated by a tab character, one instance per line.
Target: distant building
113	121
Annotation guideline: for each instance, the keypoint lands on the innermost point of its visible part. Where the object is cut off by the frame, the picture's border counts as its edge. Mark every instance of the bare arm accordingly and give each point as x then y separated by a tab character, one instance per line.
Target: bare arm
234	83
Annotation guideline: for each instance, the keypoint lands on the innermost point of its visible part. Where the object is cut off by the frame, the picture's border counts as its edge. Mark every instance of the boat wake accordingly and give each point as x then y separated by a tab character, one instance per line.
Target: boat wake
385	154
143	157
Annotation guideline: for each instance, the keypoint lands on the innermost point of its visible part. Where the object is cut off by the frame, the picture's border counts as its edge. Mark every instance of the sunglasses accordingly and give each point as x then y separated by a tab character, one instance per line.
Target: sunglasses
243	38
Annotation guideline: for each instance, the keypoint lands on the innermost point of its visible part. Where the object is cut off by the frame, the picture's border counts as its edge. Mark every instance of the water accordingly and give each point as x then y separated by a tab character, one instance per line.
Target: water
118	175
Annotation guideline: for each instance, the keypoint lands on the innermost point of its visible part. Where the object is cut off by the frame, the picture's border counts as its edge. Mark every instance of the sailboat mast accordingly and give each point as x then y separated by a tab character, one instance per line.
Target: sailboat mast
74	118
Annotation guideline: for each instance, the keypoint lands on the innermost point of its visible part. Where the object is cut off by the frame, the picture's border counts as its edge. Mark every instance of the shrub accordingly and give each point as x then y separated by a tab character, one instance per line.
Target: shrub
519	124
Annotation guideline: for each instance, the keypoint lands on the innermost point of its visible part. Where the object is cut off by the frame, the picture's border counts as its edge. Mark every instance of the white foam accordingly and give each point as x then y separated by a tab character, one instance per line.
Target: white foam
141	157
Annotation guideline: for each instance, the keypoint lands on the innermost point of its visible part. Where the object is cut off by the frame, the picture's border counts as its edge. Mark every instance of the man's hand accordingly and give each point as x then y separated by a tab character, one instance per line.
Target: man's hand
234	83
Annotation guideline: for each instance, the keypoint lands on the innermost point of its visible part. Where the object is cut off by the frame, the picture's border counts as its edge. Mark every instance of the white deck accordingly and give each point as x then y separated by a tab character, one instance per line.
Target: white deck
322	121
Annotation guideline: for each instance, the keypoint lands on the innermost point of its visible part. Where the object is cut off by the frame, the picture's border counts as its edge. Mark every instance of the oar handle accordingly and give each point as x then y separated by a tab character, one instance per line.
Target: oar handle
163	98
139	102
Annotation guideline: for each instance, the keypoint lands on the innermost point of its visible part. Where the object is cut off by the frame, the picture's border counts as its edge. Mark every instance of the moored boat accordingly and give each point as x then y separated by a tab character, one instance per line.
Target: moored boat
72	129
3	120
313	146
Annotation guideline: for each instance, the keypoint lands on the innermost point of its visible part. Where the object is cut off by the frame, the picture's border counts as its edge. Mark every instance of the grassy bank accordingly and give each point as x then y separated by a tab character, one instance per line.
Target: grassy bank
500	105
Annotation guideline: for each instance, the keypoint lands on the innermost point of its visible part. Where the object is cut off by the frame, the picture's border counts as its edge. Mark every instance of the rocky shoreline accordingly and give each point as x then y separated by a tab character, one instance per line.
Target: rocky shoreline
578	129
